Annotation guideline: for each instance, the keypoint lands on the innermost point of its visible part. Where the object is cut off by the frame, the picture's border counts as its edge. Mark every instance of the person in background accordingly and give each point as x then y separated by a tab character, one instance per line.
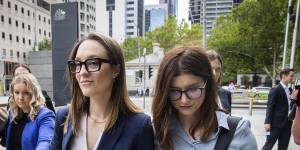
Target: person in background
185	109
296	122
21	69
30	124
224	95
101	115
278	106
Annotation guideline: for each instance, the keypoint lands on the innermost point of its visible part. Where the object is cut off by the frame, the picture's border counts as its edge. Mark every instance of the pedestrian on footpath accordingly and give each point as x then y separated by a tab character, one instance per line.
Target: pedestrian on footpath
296	122
224	96
186	114
30	124
277	124
21	69
101	115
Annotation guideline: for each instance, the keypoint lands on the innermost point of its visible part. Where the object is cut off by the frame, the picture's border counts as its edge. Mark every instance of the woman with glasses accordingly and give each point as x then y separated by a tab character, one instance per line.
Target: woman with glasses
185	110
101	115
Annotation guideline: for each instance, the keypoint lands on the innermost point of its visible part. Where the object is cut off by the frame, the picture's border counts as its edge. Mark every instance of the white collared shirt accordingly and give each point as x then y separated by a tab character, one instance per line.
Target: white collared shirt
287	92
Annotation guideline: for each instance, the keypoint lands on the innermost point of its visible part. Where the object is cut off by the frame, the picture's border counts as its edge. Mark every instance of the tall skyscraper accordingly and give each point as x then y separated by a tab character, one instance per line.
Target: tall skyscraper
172	6
120	18
213	9
155	16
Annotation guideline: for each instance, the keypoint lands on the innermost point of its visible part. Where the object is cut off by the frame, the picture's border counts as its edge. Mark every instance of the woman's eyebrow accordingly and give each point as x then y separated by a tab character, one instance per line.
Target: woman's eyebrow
186	87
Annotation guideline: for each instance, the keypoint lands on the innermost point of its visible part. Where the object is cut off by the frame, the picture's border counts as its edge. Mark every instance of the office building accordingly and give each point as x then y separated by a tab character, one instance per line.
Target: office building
23	24
172	6
213	9
120	19
155	16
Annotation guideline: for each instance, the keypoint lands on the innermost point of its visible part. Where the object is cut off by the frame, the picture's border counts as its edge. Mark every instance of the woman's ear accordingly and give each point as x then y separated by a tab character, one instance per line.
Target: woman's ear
116	71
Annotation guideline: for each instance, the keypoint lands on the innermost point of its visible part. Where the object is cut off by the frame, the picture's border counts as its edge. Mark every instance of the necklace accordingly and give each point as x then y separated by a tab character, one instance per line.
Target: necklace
95	120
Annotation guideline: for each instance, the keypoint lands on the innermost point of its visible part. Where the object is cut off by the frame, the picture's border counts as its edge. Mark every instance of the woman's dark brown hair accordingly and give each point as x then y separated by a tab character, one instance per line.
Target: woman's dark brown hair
120	102
183	59
20	65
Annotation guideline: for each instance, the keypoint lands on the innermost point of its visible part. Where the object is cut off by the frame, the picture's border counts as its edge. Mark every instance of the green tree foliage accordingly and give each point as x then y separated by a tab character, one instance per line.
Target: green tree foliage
45	44
167	36
250	37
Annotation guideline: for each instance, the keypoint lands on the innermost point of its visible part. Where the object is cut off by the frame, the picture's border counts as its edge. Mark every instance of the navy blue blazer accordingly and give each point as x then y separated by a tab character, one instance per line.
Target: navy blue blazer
37	134
132	132
277	107
225	98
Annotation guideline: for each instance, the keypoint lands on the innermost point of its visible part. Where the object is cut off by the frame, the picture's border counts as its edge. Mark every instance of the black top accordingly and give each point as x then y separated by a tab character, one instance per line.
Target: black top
16	132
48	101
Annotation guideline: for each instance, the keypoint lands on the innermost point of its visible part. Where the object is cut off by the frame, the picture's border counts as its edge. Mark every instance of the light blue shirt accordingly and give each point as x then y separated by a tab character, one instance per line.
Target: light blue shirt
243	138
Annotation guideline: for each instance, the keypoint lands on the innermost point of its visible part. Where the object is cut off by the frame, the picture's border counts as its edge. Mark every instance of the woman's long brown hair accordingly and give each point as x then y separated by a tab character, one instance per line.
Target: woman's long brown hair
120	102
183	59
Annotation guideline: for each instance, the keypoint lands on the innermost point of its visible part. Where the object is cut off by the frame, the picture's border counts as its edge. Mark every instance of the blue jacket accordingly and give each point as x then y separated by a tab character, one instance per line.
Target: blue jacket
37	134
132	132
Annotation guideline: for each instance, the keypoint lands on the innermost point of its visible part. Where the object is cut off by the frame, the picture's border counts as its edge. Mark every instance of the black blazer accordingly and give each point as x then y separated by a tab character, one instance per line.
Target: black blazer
132	132
277	107
225	98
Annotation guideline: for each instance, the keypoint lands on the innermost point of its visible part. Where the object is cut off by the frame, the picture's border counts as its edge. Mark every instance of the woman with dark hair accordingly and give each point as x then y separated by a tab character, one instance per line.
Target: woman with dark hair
224	96
101	115
185	110
21	69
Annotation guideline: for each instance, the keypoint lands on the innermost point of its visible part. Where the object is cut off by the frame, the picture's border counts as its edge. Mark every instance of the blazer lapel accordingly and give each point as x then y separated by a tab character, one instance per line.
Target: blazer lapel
67	136
110	137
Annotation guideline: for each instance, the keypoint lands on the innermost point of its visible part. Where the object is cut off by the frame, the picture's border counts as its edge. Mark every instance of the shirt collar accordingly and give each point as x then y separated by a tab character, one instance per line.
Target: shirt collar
283	85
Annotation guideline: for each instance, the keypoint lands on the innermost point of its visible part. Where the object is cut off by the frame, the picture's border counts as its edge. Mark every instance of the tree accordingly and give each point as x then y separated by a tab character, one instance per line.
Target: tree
167	36
45	44
252	36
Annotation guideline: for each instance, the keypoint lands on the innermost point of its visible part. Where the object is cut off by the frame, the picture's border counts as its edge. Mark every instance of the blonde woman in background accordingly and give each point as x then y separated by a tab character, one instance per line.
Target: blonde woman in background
30	124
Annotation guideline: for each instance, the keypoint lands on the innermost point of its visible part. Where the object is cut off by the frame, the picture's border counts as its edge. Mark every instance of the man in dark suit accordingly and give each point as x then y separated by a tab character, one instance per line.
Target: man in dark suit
278	107
216	65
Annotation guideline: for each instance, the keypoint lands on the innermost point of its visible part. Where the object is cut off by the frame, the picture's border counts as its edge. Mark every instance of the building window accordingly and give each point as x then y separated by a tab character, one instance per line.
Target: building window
9	20
23	25
1	2
3	35
29	28
2	18
17	39
40	31
4	52
18	54
87	8
28	12
24	55
22	10
16	7
82	27
29	42
23	40
45	33
49	34
10	36
11	53
130	27
130	2
17	23
82	5
45	19
49	21
82	17
130	15
39	17
8	4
